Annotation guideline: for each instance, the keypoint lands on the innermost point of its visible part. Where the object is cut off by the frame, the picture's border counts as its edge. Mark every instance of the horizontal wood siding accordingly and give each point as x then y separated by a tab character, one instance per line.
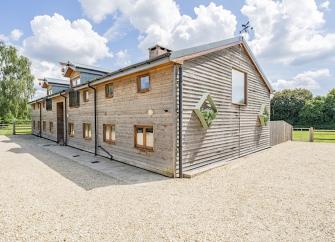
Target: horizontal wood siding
125	109
236	131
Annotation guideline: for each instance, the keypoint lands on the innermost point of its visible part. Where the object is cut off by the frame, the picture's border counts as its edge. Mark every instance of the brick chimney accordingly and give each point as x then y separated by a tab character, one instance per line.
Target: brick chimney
157	50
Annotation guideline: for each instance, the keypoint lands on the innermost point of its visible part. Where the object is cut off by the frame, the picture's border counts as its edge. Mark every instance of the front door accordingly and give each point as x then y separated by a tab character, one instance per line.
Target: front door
60	123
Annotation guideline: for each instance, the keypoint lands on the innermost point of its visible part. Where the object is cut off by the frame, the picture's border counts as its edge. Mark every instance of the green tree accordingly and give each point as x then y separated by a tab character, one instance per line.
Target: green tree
16	84
312	114
329	107
287	104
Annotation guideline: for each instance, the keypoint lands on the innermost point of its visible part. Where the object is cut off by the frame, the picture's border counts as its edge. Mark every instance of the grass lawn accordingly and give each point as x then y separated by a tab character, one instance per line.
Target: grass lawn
318	136
9	130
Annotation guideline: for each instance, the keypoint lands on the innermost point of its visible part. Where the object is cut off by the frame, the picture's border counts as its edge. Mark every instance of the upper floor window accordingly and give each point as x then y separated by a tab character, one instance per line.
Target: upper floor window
43	104
144	137
34	106
86	95
74	99
109	133
75	81
143	83
109	90
239	87
71	129
49	104
87	132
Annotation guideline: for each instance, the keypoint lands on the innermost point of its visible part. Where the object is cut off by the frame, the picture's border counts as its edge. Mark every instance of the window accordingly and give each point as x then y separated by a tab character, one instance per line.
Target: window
109	90
49	91
87	133
39	105
239	90
143	83
71	129
49	104
43	104
39	125
34	125
75	81
144	137
74	101
34	106
109	133
85	95
44	126
51	127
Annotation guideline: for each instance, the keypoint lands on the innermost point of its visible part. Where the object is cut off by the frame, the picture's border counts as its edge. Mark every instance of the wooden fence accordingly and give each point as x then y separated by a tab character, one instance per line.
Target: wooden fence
280	131
15	127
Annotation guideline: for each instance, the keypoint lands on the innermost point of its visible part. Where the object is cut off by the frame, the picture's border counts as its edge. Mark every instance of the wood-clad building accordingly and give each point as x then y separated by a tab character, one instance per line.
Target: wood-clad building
201	106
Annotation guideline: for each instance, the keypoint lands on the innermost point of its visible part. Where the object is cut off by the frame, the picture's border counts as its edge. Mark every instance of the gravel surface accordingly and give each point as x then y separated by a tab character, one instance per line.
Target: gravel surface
286	193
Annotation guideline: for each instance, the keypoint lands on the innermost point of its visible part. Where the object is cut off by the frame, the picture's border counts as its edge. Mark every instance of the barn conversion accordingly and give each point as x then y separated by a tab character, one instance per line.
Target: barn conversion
177	112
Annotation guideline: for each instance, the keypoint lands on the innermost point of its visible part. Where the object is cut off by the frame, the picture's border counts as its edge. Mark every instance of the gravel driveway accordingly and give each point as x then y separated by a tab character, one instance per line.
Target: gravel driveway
284	193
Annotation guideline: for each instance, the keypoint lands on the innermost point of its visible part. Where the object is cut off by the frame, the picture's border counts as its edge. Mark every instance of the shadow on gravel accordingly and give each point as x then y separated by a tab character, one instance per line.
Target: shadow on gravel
83	176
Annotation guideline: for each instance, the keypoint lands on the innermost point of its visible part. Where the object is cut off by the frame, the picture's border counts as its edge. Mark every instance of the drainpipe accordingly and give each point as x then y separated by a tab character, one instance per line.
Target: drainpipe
40	120
65	111
95	119
180	111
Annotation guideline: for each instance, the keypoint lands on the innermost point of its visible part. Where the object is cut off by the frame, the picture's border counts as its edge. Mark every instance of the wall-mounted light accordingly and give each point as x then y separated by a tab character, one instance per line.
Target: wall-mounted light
150	112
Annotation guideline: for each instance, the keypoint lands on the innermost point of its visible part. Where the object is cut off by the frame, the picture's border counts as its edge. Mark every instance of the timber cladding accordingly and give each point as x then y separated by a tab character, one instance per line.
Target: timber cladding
125	109
236	131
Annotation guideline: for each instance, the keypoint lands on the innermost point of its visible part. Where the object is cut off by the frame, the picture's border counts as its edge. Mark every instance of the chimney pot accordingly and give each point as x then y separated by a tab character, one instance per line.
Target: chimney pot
157	50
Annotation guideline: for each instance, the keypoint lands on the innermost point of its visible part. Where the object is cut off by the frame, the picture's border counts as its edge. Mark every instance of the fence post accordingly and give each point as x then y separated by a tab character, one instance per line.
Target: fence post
14	124
311	134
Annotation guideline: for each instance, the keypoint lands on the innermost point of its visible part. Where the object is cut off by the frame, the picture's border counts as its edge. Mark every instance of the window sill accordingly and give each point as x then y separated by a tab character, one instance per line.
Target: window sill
88	139
239	104
109	97
110	142
143	90
145	149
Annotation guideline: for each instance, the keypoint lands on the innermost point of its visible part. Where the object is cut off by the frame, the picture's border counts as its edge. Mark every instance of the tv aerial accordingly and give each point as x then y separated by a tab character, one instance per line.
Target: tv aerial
246	28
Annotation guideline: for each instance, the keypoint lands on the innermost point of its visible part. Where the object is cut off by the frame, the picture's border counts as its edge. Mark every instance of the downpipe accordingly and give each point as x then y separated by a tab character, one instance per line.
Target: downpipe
65	114
180	112
95	119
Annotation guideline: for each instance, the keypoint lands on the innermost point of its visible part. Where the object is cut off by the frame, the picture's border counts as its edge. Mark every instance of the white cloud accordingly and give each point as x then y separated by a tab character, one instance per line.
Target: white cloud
288	31
57	39
308	79
160	21
325	5
122	58
16	34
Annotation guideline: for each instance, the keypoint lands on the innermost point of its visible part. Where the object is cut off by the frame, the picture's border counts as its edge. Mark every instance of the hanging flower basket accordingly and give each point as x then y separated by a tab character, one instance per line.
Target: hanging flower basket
264	115
206	111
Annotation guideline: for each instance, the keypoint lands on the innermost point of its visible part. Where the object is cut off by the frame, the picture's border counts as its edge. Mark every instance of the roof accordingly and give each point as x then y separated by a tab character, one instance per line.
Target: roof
185	54
175	56
85	67
56	81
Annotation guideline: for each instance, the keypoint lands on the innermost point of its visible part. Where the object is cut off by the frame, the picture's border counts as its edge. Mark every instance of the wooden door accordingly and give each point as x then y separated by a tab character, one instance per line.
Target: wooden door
60	123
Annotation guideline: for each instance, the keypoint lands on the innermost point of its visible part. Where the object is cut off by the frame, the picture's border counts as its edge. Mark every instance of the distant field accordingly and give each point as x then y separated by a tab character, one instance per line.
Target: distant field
323	136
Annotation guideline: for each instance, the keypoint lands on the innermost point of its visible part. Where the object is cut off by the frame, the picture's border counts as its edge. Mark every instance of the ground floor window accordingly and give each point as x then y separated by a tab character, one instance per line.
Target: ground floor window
71	130
51	127
39	125
144	137
44	126
87	132
34	124
109	133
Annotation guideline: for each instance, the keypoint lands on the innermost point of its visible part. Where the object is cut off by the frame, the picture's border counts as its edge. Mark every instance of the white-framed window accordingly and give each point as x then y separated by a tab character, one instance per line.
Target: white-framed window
239	87
87	132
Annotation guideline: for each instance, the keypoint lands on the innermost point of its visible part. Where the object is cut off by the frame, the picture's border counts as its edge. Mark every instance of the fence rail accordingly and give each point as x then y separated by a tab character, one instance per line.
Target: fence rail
313	135
15	127
280	131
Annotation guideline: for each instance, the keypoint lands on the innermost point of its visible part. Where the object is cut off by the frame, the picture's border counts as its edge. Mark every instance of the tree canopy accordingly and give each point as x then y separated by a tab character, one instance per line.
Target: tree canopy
299	108
16	84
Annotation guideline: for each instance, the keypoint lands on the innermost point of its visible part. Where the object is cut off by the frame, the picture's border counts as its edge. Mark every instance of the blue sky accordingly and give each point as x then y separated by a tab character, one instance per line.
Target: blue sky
294	41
